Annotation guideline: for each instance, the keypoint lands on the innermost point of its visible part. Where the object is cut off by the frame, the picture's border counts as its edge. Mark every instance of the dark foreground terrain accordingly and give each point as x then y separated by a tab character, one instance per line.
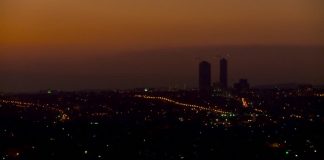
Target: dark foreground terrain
121	126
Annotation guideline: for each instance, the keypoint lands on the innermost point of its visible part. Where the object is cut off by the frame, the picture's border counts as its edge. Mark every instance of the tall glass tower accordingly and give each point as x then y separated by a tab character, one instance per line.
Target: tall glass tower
223	73
204	76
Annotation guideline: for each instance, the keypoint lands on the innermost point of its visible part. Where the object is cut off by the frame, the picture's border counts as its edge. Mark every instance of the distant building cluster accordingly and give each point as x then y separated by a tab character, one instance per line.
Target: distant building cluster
205	86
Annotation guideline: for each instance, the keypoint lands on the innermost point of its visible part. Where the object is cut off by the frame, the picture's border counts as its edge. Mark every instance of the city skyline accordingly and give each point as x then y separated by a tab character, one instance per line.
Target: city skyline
75	45
262	65
162	79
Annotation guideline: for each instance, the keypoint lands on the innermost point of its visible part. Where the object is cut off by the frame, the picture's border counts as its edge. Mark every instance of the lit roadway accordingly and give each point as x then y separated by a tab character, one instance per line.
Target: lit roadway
214	109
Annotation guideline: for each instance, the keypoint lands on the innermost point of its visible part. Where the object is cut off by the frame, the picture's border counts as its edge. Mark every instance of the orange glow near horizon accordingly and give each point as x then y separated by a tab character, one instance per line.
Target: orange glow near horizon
114	44
148	24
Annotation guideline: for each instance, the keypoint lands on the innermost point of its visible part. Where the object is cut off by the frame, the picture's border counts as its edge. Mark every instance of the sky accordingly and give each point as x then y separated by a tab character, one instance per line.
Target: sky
82	44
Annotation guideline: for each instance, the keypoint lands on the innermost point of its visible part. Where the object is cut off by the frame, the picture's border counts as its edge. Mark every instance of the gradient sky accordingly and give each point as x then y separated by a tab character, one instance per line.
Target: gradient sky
76	44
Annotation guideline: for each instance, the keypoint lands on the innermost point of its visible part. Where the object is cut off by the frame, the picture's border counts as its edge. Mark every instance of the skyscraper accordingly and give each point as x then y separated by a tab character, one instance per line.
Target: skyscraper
204	77
223	73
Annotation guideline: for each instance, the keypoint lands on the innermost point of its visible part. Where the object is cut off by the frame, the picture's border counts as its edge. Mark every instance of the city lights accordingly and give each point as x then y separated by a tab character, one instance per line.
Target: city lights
192	106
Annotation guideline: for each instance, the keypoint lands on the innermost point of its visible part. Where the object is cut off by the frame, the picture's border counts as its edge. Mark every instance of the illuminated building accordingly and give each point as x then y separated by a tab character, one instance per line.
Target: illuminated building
223	73
204	77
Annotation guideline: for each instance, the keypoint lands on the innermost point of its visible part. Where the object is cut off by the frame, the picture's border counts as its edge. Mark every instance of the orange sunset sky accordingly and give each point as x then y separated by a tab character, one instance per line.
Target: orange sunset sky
160	23
136	43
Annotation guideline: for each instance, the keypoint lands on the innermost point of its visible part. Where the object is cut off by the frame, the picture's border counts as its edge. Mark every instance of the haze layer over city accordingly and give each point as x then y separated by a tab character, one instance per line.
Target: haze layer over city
162	80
